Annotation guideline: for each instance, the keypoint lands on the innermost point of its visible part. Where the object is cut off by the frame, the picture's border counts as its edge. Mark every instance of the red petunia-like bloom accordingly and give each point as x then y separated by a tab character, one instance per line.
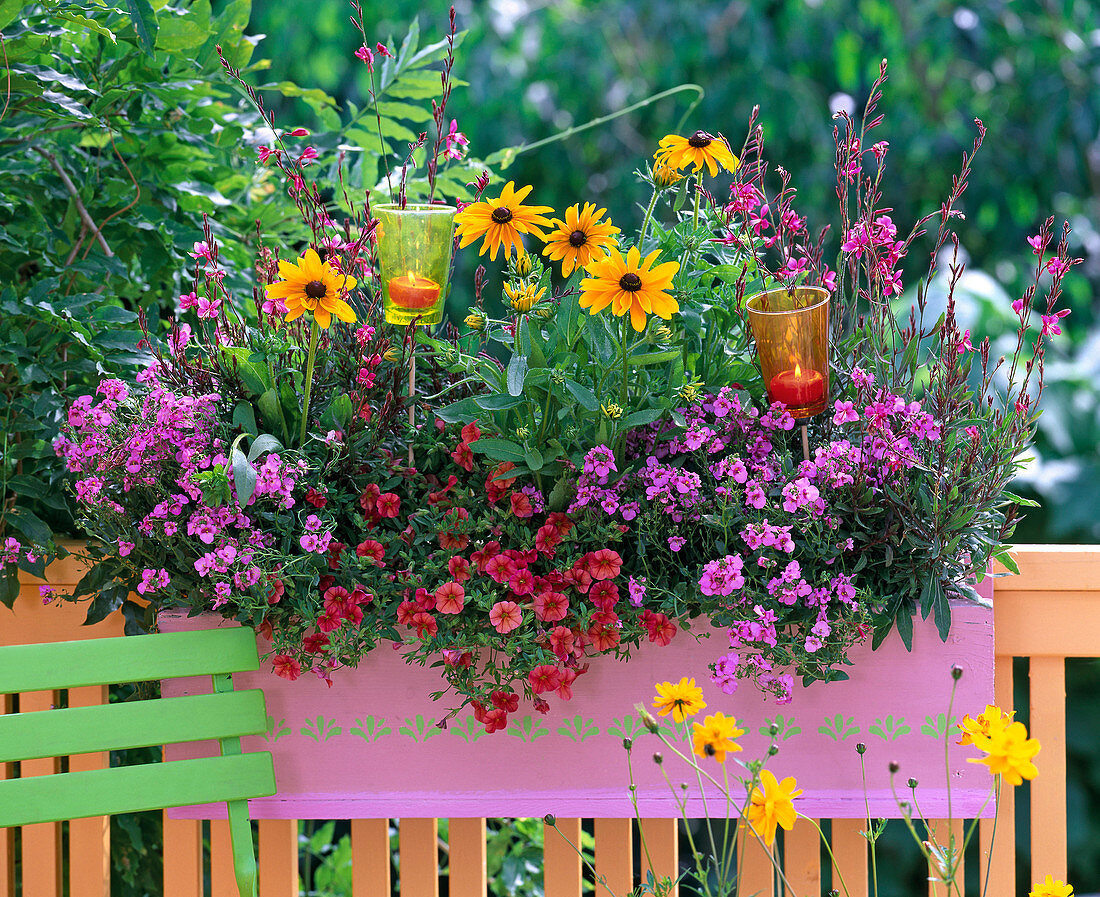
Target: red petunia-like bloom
315	498
389	505
579	578
501	568
449	598
565	688
286	666
543	678
604	638
561	522
470	432
459	568
660	628
405	611
505	616
425	624
369	497
547	539
496	489
495	720
561	641
463	456
521	505
507	701
482	557
522	582
373	549
315	643
551	607
604	594
604	564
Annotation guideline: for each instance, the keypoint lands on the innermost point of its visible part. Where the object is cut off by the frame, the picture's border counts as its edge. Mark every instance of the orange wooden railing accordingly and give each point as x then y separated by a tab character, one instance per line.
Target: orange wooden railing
1049	612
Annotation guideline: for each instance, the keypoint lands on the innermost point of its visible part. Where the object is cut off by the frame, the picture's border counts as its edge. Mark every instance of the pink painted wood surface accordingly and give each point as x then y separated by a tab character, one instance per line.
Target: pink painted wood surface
368	746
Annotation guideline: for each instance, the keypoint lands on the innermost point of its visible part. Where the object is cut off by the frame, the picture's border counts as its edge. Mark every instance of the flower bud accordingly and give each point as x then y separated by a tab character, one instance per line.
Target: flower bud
649	721
628	743
665	176
912	783
861	748
475	320
524	265
393	353
658	759
894	766
956	672
773	750
549	819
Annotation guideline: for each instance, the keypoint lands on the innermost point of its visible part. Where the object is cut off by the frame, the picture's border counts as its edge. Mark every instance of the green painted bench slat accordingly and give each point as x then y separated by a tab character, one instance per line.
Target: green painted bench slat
133	724
223	715
131	789
133	659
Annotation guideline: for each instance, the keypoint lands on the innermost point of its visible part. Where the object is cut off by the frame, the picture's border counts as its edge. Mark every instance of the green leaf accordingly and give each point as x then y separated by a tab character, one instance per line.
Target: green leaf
462	410
645	358
9	9
184	32
245	417
9	577
499	402
534	459
640	418
244	477
145	24
272	412
499	449
107	601
582	394
517	371
30	525
262	444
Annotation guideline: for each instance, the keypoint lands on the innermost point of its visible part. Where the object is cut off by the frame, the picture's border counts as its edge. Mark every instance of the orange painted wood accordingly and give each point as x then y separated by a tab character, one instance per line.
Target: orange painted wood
1069	625
278	857
998	842
223	880
562	858
1053	568
802	858
467	858
418	843
182	857
942	833
41	844
370	857
614	857
661	845
1048	791
89	839
850	855
755	869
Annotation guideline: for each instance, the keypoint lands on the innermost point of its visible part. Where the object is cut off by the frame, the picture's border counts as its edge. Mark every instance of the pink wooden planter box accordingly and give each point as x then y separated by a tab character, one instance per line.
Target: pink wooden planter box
368	747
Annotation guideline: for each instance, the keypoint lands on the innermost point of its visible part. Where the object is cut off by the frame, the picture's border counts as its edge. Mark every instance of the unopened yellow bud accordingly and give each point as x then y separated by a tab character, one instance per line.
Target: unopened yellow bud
664	332
522	297
612	410
524	265
475	320
392	354
665	176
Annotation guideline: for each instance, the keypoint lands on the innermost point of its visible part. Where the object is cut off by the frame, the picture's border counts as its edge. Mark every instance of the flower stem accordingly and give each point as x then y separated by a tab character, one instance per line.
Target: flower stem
695	216
310	358
648	215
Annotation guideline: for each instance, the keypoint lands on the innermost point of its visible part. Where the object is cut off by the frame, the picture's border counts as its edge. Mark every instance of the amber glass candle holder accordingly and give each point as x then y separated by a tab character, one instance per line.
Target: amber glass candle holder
791	328
414	260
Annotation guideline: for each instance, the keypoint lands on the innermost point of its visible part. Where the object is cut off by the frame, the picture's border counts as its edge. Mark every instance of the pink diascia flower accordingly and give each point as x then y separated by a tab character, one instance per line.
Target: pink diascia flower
505	616
1050	323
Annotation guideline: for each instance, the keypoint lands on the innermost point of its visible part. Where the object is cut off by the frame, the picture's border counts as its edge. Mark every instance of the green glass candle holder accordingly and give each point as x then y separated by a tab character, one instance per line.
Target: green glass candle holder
791	328
414	260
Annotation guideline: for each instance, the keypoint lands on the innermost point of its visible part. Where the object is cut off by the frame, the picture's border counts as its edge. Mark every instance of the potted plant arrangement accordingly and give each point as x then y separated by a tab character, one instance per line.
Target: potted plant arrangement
701	424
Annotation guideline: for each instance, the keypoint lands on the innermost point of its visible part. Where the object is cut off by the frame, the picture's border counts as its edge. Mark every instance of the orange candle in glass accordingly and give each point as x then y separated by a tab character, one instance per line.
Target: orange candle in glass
791	329
413	291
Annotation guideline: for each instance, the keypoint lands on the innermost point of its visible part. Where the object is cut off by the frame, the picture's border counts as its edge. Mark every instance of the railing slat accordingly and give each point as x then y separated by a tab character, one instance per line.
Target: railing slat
614	857
1000	867
561	859
370	857
89	839
418	841
223	879
1048	791
182	857
467	858
755	870
850	851
802	853
660	840
41	843
7	841
278	857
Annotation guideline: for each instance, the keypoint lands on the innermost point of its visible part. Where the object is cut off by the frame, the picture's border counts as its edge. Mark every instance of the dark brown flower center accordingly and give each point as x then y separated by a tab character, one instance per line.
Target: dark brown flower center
502	215
630	282
700	139
578	238
316	289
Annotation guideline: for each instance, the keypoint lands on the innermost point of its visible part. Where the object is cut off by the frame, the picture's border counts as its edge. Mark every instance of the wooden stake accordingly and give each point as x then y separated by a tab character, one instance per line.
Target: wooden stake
805	443
412	395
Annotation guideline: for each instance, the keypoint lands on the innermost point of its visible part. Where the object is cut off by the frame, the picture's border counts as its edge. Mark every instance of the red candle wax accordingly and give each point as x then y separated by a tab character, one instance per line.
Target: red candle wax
413	291
797	388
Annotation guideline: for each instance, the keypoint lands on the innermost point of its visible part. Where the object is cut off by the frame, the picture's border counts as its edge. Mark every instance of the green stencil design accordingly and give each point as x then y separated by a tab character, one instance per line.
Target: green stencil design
785	728
578	728
372	729
528	729
419	730
674	731
321	729
888	729
627	727
470	730
938	727
838	729
275	731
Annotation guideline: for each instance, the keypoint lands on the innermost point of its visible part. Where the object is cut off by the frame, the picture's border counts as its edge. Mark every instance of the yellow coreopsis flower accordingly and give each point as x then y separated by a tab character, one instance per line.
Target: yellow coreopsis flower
682	699
714	737
983	723
773	805
500	221
580	239
697	150
1008	752
314	286
630	284
1051	888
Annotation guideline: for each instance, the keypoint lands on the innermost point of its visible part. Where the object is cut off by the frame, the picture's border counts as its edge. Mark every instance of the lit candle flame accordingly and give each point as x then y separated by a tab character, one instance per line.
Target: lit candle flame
797	369
412	277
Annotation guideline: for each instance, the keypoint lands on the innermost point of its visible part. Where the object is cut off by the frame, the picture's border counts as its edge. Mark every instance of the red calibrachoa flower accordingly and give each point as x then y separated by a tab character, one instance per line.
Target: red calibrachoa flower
547	539
568	675
286	666
371	548
561	641
505	616
543	678
315	498
604	638
505	700
604	564
405	611
604	594
522	582
449	598
425	624
501	568
276	592
551	607
660	628
521	505
463	456
315	643
459	568
389	505
561	522
470	432
453	657
485	554
496	489
369	498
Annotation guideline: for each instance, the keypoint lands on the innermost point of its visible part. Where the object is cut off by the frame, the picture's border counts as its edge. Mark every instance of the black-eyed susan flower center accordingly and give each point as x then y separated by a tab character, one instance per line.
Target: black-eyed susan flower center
502	215
700	139
316	289
578	238
630	282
